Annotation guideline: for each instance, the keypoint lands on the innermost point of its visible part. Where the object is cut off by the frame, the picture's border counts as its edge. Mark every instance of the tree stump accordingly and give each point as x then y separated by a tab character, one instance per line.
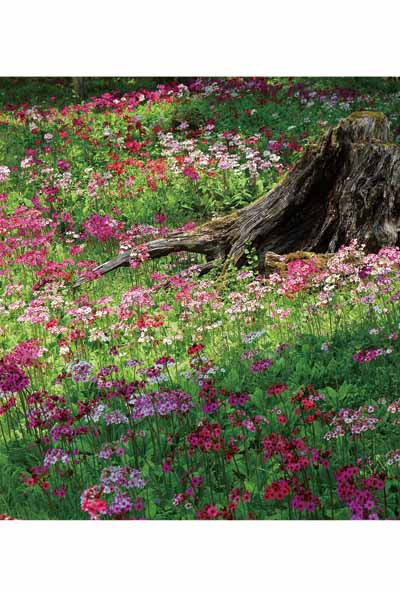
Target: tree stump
345	187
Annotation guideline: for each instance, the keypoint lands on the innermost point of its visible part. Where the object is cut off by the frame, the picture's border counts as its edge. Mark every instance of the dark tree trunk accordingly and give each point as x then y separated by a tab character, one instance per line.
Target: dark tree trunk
79	87
343	188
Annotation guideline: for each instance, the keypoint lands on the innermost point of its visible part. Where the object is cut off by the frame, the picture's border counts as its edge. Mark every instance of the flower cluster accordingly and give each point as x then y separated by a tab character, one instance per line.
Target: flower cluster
161	403
353	421
101	227
359	493
81	371
12	378
92	503
261	365
55	455
208	437
278	490
370	354
26	353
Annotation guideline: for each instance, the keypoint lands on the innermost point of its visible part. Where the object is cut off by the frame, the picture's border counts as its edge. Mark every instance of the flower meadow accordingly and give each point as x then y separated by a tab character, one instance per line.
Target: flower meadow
158	393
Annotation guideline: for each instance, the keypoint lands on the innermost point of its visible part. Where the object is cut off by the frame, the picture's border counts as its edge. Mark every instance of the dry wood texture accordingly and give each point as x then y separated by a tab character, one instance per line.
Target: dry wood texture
345	187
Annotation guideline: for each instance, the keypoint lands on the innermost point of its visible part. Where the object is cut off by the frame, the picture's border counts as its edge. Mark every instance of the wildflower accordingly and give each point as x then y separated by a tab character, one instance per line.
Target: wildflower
261	365
102	228
190	171
115	417
370	354
4	173
138	256
161	403
277	389
353	421
249	425
121	504
55	455
211	511
160	218
12	378
194	349
357	493
252	336
92	503
63	165
278	490
59	492
25	354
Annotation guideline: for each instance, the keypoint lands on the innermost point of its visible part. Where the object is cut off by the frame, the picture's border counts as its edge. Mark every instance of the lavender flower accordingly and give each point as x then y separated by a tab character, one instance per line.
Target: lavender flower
161	403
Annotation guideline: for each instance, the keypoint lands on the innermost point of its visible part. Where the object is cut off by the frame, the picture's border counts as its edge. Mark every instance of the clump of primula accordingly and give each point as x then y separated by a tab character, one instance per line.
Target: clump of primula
12	378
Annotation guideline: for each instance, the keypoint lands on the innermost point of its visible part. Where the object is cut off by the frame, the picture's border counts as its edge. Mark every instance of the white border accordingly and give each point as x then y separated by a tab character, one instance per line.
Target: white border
203	37
198	555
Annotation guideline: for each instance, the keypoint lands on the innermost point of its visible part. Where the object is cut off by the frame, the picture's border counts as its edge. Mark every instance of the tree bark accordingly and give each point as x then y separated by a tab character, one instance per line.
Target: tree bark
345	187
79	87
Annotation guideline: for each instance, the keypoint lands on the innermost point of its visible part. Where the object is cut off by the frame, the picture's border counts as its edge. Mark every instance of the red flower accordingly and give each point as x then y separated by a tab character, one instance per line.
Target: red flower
277	389
133	146
151	183
193	349
278	490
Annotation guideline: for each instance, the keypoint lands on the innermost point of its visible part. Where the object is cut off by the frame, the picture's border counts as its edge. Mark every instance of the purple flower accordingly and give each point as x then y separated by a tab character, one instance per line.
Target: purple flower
261	365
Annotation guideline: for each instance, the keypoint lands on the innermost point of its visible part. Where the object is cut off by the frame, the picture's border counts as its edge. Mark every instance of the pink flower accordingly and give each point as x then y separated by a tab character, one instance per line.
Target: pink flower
211	511
101	227
190	172
160	218
63	165
12	379
76	249
261	365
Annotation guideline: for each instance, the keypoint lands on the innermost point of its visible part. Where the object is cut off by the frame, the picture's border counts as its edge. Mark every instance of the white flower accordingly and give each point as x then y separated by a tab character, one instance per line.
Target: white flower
4	173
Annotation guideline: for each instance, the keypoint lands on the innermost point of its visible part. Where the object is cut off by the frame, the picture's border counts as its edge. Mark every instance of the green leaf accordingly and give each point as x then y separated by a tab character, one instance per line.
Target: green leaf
151	510
259	398
250	486
232	380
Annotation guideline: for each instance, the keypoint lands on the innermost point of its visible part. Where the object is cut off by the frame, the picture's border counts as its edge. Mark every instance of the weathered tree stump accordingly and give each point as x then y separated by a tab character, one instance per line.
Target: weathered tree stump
345	187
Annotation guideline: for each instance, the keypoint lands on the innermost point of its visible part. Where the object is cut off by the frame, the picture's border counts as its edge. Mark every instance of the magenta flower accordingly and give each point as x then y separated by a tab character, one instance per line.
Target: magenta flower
261	365
12	379
101	227
63	165
190	172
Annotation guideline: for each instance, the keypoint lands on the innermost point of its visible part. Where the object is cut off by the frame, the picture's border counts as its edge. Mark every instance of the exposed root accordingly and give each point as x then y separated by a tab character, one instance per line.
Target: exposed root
345	187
